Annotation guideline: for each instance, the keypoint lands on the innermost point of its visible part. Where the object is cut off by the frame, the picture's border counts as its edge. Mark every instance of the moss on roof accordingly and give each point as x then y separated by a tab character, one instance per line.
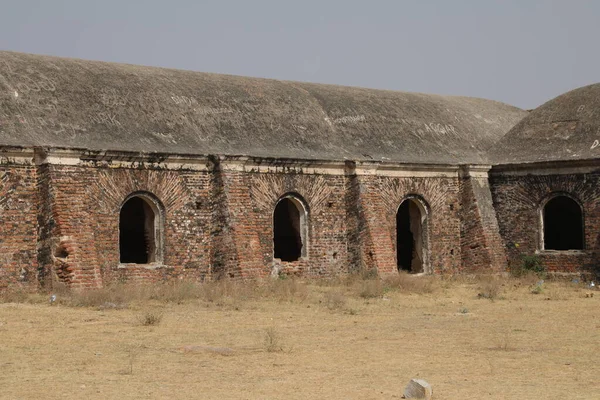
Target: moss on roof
59	102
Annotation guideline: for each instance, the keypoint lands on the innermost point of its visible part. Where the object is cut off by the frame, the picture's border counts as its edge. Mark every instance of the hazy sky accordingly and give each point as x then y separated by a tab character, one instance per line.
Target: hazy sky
522	52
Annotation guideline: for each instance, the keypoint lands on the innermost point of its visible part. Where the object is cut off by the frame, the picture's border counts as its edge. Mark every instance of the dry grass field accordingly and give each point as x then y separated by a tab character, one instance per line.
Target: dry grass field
471	338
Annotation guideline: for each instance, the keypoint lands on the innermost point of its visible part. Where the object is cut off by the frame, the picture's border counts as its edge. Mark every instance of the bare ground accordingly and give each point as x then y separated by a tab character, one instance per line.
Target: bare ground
295	340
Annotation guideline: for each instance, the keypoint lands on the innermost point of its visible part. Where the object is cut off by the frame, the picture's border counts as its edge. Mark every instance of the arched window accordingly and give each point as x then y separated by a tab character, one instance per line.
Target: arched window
411	236
290	229
140	230
562	220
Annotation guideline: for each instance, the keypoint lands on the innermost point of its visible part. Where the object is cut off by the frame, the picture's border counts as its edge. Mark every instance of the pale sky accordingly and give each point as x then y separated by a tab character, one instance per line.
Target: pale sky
522	52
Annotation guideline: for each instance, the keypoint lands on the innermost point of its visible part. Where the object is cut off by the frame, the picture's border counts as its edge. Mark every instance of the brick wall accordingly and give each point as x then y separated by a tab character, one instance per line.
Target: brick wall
18	226
482	248
517	200
218	220
381	197
85	207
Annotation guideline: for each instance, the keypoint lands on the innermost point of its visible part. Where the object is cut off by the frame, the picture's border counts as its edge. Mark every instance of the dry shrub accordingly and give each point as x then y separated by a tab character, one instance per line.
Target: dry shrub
404	282
490	287
272	340
14	295
174	292
335	300
369	289
150	318
285	290
112	296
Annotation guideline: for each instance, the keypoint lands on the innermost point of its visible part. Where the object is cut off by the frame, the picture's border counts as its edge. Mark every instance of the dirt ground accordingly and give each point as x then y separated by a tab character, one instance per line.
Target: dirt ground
309	341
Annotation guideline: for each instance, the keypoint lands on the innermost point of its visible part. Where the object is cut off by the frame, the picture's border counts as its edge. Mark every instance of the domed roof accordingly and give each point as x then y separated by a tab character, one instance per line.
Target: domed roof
565	128
58	102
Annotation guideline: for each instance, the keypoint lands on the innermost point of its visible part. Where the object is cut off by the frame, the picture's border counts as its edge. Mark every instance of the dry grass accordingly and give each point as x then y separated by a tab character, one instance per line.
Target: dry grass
150	318
272	340
351	338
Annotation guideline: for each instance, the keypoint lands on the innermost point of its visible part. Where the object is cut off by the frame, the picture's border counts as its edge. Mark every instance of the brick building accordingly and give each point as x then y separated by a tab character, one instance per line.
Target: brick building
111	172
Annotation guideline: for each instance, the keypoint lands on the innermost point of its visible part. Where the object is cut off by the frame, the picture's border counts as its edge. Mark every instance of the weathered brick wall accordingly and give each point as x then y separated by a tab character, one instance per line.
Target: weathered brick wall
86	204
18	226
482	248
517	200
381	197
218	221
252	198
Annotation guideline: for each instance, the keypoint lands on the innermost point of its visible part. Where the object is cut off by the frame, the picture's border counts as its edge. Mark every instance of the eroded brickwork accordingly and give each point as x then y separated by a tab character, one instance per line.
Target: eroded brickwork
518	200
86	206
482	248
18	226
216	220
381	197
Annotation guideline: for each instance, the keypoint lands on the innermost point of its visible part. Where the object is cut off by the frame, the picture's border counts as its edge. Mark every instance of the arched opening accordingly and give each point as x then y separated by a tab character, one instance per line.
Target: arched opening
410	237
139	231
562	221
289	229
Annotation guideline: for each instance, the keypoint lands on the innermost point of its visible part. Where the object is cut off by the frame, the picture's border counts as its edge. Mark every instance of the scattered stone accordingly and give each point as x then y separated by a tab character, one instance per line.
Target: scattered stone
418	389
589	294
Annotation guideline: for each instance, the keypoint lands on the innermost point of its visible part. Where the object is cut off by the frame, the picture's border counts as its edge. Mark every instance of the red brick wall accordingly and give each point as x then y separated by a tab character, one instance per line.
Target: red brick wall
517	200
18	226
219	222
381	197
482	248
86	204
252	197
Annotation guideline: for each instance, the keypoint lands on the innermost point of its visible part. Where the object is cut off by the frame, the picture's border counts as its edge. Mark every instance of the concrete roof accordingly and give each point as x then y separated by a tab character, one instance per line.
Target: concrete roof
565	128
59	102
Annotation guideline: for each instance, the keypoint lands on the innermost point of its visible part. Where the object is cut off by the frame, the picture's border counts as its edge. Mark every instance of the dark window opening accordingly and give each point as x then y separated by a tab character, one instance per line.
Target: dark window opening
409	238
137	242
287	236
563	224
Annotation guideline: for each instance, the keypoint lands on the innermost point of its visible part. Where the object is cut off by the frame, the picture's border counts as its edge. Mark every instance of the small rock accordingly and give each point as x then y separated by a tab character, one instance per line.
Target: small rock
418	389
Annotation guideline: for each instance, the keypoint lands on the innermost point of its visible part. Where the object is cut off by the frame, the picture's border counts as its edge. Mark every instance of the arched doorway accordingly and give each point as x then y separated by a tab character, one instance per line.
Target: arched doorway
290	229
411	244
139	231
562	220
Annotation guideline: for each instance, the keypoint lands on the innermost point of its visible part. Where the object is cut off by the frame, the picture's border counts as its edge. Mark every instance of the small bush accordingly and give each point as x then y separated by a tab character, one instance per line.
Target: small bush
150	318
117	295
335	300
530	264
538	288
14	295
272	340
284	290
490	288
370	289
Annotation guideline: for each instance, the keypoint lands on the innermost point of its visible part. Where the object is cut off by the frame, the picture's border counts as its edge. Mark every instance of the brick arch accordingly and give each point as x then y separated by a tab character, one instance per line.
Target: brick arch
579	225
421	229
115	185
270	188
298	225
154	225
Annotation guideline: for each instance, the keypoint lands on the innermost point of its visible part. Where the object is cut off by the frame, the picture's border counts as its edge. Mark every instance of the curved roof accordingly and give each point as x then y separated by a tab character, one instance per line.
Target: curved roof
564	128
59	102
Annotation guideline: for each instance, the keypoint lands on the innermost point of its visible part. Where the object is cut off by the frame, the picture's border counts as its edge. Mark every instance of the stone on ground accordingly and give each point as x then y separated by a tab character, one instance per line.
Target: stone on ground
418	389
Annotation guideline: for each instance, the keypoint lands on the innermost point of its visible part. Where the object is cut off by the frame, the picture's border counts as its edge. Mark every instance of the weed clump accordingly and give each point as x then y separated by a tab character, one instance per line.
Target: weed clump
530	264
490	288
272	340
150	318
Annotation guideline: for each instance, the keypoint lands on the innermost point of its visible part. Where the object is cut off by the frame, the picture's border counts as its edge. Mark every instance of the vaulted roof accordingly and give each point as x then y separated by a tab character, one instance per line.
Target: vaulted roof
60	102
564	128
